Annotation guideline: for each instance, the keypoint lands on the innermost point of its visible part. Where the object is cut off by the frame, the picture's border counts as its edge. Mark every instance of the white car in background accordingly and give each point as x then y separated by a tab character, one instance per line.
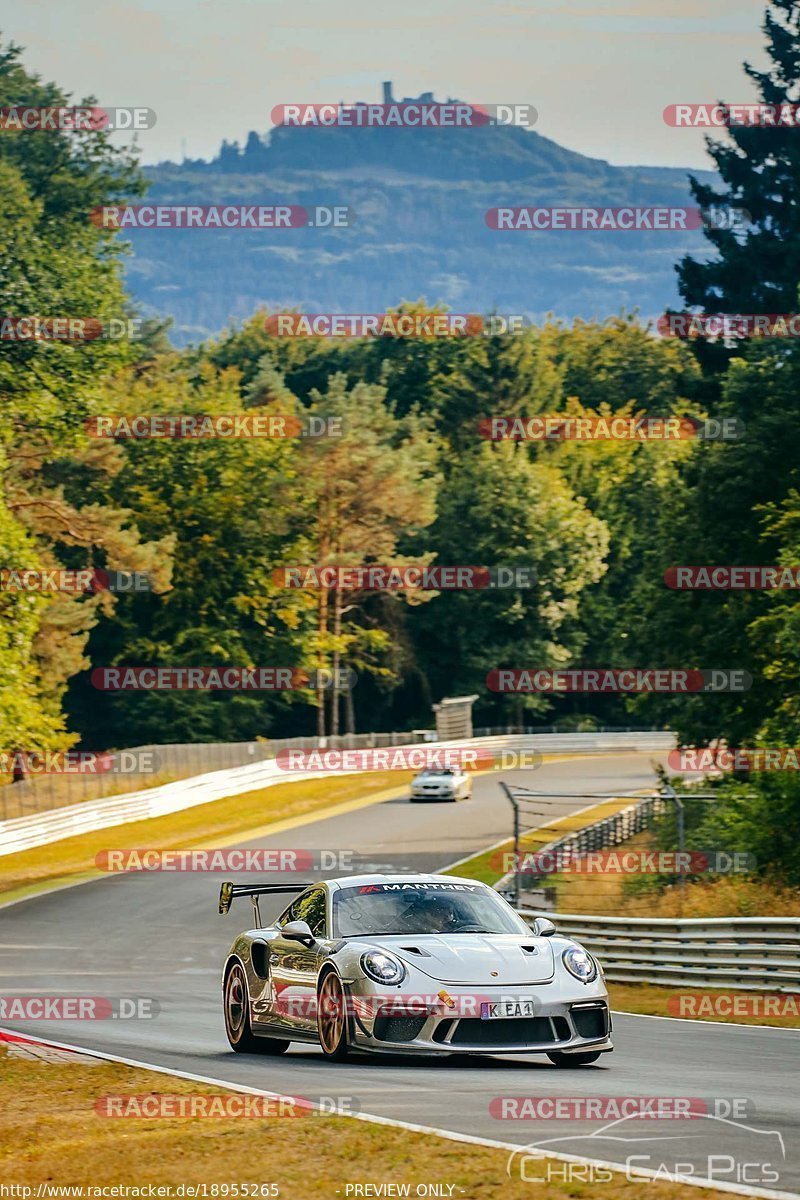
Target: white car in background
441	783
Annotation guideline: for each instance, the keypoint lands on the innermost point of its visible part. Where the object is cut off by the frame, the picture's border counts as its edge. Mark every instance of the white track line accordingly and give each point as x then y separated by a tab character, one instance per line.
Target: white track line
700	1021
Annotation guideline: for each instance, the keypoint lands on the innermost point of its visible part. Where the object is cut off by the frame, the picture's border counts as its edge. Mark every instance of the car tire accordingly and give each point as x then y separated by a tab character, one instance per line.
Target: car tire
333	1026
236	1008
573	1060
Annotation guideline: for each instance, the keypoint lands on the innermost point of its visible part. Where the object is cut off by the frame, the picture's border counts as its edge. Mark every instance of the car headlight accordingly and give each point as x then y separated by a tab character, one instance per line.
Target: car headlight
580	964
382	967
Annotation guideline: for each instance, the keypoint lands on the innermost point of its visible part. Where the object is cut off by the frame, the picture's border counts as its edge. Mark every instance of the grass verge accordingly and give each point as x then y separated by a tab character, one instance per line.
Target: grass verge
652	1000
51	1134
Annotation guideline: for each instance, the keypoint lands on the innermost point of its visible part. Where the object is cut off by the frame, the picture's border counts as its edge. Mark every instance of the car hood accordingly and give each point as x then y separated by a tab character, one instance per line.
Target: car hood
475	958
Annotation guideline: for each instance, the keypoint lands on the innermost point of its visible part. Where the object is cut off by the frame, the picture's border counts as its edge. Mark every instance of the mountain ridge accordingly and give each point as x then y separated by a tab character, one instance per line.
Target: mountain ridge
420	198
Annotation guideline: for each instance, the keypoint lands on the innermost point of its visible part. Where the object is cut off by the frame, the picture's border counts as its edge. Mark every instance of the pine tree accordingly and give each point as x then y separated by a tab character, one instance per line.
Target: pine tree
757	269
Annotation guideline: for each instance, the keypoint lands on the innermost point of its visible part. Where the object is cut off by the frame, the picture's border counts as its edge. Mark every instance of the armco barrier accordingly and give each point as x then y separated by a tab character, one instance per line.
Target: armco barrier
168	762
24	833
747	953
139	767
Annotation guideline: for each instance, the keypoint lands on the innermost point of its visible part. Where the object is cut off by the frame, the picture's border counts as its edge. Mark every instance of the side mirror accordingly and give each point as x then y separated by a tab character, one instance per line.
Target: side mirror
298	931
543	927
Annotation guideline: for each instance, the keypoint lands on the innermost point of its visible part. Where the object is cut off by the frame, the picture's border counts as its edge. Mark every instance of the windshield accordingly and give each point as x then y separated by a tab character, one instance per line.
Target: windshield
409	908
436	771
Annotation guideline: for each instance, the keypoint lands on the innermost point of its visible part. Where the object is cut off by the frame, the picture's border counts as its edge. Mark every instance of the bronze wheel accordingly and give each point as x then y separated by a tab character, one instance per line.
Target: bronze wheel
332	1017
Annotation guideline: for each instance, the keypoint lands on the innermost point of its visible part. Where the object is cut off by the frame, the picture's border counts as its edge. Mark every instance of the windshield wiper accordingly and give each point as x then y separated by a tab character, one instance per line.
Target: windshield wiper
474	931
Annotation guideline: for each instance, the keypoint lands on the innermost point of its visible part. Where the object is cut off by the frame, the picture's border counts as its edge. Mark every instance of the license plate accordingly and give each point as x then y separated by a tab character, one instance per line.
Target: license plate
507	1008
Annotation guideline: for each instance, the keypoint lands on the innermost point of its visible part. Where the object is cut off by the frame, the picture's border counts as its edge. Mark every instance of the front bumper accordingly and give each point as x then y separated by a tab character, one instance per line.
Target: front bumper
568	1026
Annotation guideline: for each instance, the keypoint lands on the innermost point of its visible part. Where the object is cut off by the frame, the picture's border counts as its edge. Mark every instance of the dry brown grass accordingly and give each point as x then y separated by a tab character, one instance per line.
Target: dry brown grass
49	1133
650	999
729	896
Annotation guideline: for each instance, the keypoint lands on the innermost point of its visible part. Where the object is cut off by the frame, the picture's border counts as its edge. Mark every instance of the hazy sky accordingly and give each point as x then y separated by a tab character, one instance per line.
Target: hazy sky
599	74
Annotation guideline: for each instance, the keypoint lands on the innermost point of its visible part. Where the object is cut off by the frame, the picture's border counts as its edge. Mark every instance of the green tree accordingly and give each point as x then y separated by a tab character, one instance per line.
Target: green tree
370	488
223	514
53	263
756	270
498	507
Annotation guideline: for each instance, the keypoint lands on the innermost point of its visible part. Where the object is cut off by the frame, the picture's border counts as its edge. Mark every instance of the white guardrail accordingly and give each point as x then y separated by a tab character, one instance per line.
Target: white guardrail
747	953
39	829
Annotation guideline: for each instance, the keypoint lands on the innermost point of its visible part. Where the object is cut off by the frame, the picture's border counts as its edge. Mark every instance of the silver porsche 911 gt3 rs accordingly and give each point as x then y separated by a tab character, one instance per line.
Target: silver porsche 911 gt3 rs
421	964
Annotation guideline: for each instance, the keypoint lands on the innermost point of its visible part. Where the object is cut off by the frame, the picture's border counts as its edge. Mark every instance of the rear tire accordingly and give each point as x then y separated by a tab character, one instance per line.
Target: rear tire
333	1028
236	1007
573	1060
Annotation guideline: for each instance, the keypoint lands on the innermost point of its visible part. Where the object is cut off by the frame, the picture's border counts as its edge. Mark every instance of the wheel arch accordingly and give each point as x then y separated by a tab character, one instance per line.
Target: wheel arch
329	968
232	960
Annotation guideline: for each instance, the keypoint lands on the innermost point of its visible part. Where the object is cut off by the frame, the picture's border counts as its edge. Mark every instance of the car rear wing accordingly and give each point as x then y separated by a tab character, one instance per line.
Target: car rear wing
230	891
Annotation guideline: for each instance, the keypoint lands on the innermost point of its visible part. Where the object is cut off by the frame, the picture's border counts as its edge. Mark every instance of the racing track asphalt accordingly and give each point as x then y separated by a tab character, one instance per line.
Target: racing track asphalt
158	935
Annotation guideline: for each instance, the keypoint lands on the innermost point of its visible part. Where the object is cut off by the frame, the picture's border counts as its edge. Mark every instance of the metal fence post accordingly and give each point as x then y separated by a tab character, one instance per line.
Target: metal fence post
672	795
515	806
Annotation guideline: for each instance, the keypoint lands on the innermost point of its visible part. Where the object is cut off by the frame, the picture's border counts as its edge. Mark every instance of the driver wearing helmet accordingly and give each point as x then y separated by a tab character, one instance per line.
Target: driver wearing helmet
432	914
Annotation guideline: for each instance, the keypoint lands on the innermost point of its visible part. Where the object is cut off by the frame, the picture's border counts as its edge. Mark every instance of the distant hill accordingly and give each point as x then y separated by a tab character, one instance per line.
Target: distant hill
420	197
